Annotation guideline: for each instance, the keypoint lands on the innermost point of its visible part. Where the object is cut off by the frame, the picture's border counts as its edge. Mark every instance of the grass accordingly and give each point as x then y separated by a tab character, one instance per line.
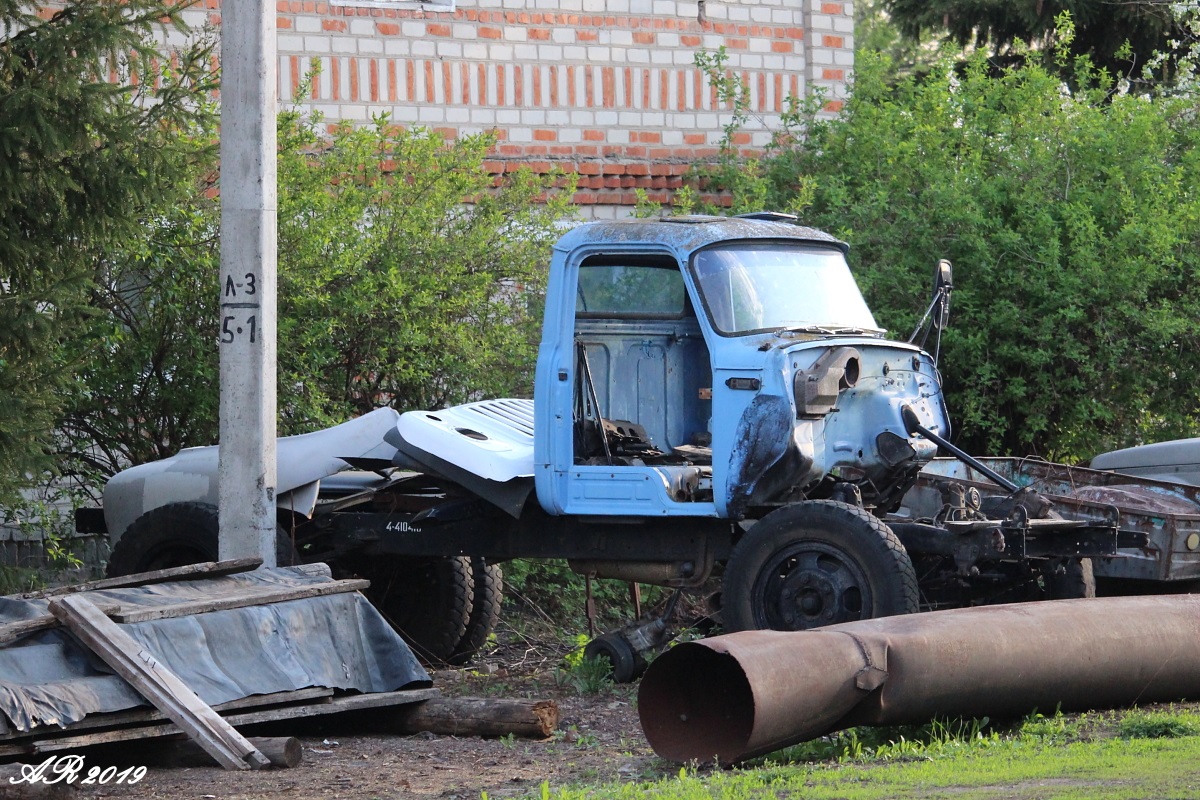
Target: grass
1114	756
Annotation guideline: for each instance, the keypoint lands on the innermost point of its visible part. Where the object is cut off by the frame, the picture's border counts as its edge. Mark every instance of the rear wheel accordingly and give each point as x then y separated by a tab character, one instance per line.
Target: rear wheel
427	600
175	535
487	587
1071	579
813	564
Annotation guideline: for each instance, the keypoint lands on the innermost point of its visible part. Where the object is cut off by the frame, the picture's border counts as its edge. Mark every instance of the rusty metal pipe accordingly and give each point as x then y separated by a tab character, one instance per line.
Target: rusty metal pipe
737	696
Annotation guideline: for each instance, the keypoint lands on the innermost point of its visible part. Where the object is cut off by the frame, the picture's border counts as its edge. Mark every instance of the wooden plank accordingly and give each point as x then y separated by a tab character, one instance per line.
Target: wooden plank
146	716
156	683
205	569
337	705
158	731
15	630
256	597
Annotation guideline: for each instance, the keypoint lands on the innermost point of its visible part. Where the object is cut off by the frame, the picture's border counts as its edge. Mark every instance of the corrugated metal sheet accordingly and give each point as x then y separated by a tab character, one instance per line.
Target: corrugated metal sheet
337	641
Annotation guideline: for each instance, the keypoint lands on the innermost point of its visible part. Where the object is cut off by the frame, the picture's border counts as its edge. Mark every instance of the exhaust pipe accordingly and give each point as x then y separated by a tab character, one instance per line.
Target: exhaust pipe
734	697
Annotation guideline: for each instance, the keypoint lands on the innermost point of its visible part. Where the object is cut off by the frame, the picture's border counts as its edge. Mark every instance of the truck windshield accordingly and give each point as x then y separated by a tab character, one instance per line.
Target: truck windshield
750	288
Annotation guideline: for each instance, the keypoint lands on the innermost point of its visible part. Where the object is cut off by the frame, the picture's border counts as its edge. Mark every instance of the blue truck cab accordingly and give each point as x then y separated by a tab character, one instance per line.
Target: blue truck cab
734	368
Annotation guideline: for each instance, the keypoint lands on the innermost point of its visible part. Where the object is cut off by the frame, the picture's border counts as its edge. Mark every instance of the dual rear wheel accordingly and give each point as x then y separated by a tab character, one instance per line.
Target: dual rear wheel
445	608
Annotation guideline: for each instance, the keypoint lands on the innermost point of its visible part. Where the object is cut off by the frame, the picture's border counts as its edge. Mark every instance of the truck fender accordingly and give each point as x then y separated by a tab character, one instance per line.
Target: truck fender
191	474
760	441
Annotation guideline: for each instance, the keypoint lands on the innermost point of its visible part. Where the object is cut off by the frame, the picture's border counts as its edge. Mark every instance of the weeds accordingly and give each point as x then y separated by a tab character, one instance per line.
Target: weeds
560	595
1168	724
587	676
583	675
897	743
1050	730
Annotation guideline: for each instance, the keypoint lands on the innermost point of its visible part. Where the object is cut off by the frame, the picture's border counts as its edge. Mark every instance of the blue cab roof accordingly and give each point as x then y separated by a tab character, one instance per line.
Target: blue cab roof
688	234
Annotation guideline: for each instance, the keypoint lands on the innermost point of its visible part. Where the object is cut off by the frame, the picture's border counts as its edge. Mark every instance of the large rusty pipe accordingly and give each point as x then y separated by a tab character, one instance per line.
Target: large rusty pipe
744	694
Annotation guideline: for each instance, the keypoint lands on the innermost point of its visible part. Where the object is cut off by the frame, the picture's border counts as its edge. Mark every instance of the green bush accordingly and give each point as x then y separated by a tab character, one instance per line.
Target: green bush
393	290
1072	218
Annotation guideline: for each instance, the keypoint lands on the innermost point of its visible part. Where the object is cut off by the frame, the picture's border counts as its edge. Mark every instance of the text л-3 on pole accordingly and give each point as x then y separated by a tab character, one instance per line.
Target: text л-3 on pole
246	492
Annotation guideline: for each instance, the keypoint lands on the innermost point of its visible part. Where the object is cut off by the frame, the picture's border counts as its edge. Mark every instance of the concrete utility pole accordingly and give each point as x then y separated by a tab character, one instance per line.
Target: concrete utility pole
246	492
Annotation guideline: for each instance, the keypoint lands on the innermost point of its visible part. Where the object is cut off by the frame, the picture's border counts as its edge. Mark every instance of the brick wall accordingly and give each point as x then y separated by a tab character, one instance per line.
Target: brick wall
604	88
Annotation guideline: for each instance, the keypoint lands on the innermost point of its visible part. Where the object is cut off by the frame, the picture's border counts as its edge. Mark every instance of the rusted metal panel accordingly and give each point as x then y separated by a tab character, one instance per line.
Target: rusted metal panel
1168	514
737	696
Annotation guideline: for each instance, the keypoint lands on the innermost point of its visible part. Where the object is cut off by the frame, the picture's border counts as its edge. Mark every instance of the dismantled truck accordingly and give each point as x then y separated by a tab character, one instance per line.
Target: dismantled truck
713	399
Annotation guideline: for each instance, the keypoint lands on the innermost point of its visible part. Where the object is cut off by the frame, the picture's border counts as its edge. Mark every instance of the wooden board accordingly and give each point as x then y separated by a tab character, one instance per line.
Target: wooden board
156	731
355	702
205	569
156	683
147	716
253	597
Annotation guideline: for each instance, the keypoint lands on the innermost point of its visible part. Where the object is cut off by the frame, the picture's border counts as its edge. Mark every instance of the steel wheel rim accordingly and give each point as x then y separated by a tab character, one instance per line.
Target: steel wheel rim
808	585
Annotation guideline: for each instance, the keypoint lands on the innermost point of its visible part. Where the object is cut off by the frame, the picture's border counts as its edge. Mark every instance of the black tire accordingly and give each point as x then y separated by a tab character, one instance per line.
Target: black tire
1070	579
175	535
816	563
487	593
1074	580
427	600
627	666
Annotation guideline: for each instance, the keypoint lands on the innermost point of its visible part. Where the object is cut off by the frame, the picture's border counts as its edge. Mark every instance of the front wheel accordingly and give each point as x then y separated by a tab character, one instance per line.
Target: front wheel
813	564
176	535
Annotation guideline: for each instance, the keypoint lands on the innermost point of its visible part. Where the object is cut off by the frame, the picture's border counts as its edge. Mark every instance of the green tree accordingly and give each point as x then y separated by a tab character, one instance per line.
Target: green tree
877	31
392	291
81	156
1072	220
1118	36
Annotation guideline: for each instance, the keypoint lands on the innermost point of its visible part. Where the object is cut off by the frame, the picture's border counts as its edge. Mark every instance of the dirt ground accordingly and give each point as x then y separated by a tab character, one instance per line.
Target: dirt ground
598	739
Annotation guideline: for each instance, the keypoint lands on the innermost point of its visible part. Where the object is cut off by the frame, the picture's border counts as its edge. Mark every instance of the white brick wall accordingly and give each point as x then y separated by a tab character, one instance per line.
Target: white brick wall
605	88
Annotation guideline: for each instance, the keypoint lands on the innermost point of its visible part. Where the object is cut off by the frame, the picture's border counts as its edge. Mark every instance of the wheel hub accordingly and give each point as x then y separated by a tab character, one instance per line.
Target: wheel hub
811	584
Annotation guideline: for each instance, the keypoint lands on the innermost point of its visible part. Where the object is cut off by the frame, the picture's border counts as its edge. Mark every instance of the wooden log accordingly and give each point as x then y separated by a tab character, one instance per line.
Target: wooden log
475	716
284	752
256	597
205	569
156	683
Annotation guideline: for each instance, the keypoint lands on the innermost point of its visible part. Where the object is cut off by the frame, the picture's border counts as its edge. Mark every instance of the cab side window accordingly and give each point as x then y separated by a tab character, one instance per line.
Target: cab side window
613	290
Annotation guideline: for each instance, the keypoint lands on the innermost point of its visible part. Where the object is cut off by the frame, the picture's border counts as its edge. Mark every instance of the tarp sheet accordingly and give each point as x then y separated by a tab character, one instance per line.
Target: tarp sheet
337	641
